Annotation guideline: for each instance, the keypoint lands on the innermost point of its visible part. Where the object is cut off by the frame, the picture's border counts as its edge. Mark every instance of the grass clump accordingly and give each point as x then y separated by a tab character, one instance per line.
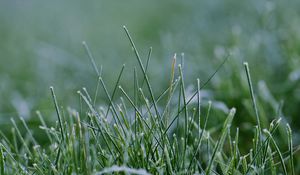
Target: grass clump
145	134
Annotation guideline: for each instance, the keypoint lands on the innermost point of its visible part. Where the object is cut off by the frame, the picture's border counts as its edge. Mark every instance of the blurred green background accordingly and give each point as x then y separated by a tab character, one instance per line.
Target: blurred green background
41	47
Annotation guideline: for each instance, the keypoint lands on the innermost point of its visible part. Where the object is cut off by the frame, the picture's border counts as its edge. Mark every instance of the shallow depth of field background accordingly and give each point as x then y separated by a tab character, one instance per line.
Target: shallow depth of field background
41	46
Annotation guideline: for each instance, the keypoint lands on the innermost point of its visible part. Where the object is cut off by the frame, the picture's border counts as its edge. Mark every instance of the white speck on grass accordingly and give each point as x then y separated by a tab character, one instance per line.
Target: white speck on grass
123	169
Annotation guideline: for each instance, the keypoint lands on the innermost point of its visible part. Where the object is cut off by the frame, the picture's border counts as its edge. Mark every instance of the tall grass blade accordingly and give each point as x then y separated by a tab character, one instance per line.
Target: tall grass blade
115	89
143	70
58	113
252	95
87	49
219	145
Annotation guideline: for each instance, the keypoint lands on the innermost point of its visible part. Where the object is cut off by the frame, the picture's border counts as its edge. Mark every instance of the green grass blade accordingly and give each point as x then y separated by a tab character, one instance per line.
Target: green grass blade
252	95
44	125
87	49
139	113
115	88
2	163
219	145
147	65
143	70
115	114
201	135
58	113
24	143
290	144
278	151
105	131
195	93
28	131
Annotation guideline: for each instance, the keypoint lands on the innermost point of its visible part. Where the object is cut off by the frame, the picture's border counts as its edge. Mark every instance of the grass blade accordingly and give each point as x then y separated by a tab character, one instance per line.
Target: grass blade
143	70
2	163
277	150
252	95
227	124
87	49
290	143
58	113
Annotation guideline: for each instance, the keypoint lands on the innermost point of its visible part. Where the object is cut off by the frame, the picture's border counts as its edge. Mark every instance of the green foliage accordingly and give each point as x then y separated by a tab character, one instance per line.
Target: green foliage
147	134
151	116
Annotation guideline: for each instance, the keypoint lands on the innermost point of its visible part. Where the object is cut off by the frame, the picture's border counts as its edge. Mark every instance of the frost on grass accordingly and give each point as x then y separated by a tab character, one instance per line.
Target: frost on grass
124	169
139	133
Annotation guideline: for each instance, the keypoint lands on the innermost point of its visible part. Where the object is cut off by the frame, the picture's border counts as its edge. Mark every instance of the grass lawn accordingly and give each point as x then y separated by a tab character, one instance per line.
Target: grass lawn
146	133
194	87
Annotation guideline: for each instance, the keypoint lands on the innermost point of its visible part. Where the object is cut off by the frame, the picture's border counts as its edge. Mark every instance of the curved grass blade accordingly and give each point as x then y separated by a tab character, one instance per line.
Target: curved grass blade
277	150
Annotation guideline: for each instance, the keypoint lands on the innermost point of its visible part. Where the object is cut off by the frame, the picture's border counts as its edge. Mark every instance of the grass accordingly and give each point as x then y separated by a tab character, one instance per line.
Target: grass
145	133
